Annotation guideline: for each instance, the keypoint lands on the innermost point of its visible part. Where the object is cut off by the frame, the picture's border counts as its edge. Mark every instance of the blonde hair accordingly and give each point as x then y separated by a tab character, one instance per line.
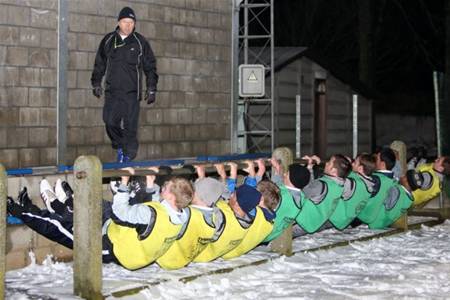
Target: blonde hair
183	191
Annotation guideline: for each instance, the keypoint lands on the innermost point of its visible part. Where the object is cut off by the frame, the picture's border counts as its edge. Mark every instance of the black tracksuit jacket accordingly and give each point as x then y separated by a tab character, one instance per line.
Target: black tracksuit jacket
123	63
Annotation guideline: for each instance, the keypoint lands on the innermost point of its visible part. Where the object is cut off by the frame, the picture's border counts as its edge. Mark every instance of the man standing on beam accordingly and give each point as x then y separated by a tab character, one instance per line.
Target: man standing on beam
122	56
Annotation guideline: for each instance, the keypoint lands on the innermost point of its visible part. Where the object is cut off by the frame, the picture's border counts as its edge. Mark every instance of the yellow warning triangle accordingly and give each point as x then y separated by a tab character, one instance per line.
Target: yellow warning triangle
252	77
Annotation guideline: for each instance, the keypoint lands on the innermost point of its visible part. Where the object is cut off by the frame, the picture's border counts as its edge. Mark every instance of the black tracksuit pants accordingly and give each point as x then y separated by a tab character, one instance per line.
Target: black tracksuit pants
121	117
57	226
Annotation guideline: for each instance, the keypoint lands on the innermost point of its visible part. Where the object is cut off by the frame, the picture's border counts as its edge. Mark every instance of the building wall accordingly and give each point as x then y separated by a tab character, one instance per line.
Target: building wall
298	78
413	130
340	119
191	40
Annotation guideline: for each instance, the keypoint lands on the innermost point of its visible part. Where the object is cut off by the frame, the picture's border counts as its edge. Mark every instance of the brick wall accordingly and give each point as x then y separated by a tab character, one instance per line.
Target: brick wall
191	40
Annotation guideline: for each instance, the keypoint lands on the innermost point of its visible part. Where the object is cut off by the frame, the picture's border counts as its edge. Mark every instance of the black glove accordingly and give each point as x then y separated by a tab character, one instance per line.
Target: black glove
136	185
150	96
114	184
97	91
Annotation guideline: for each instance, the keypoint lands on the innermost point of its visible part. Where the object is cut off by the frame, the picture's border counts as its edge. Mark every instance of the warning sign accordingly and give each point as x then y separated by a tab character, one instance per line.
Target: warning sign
252	77
251	81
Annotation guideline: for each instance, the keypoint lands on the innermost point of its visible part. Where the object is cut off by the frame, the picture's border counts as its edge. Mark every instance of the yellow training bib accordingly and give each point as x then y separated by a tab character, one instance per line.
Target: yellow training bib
134	253
197	236
423	196
256	233
231	237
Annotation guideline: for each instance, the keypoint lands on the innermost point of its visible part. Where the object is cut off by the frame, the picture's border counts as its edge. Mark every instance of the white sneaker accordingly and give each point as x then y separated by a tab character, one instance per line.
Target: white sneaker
59	191
47	194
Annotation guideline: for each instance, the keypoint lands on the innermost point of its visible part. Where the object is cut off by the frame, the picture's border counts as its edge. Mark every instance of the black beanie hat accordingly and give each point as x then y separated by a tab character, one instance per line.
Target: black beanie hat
299	175
126	12
247	197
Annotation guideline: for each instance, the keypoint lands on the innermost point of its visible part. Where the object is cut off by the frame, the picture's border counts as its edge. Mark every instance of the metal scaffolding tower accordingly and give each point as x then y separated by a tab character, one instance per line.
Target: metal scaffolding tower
252	119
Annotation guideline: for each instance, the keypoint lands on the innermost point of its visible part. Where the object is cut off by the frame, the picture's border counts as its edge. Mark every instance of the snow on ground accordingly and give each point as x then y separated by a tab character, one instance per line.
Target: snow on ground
414	265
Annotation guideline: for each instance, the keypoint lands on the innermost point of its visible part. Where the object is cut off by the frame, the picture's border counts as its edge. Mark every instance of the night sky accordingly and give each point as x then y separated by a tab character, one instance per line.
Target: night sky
408	39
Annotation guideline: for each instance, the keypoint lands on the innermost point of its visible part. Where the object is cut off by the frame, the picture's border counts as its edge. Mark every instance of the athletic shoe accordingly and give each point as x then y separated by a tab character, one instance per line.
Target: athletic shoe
47	194
120	155
67	189
23	198
13	208
59	191
126	159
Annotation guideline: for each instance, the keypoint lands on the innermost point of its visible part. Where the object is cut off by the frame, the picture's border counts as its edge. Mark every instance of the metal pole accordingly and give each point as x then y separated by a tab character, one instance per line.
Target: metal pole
437	113
239	144
61	98
355	125
87	228
272	80
234	74
3	197
244	109
246	25
298	131
438	125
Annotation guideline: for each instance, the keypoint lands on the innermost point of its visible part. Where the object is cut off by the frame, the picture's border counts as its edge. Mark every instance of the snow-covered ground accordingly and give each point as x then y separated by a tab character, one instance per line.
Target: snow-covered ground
413	265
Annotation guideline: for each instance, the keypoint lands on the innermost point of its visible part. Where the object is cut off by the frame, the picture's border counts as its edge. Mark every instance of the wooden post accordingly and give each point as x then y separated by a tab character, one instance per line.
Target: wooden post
283	244
87	246
400	148
401	223
3	197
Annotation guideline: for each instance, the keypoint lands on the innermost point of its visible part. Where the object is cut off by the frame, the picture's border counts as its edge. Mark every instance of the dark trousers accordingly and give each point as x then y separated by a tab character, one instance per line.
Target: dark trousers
56	227
121	117
51	225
